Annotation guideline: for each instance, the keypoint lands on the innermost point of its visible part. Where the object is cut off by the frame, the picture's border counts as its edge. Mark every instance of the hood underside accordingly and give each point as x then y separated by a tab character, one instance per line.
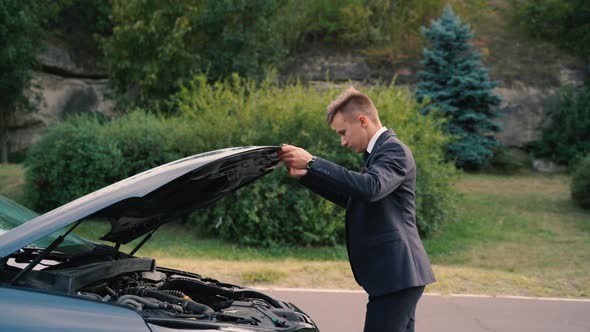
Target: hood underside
141	203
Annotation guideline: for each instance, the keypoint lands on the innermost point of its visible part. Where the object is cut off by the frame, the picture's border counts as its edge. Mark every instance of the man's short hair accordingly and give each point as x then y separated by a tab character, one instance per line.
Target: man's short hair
351	96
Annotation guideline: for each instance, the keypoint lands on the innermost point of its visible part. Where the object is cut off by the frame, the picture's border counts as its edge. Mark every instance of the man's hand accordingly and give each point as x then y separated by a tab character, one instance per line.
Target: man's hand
295	158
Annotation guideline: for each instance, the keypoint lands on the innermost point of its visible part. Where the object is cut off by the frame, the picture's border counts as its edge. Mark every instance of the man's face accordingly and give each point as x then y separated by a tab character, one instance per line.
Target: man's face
352	130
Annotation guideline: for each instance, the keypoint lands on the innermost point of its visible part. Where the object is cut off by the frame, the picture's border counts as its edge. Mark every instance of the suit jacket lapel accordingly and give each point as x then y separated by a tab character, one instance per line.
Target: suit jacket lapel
380	140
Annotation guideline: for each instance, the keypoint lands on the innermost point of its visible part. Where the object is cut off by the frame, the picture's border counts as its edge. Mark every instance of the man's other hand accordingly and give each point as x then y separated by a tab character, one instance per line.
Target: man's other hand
294	157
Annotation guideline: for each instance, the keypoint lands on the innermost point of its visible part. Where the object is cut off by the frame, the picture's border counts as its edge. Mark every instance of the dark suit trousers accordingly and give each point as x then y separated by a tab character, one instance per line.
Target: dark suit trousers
395	312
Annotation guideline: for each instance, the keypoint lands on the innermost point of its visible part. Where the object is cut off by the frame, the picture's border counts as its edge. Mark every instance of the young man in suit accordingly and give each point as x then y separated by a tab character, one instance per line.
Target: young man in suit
385	251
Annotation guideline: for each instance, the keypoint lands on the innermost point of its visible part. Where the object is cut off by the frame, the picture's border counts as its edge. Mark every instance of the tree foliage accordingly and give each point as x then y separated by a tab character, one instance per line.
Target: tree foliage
564	22
78	22
455	84
362	23
21	33
158	45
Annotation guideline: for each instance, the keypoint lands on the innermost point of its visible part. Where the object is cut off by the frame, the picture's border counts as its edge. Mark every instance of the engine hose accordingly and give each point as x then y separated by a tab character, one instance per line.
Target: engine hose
152	305
193	286
174	292
132	304
193	306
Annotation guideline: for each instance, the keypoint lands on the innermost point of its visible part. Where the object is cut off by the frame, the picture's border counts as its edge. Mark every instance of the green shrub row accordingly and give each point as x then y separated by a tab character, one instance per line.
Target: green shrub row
84	154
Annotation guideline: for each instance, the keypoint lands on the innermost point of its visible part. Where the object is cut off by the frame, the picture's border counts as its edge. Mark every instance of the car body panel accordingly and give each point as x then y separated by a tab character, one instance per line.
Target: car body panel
28	311
141	203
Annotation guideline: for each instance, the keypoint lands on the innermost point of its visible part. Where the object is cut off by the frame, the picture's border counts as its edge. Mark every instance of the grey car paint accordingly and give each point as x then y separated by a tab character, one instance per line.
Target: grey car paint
27	311
143	202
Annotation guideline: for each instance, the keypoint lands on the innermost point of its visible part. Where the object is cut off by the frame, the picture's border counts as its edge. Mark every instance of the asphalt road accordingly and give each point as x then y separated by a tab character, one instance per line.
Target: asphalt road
343	311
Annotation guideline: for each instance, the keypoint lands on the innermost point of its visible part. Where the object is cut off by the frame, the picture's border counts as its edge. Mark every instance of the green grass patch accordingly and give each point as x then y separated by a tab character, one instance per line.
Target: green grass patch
263	276
524	230
12	181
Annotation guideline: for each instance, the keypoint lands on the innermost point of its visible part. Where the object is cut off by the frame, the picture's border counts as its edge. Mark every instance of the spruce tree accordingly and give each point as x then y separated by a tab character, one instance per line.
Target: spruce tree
455	83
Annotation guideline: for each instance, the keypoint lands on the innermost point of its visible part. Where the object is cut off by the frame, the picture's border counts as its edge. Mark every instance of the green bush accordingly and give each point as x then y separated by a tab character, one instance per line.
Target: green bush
70	161
580	186
505	161
567	134
143	140
84	154
237	112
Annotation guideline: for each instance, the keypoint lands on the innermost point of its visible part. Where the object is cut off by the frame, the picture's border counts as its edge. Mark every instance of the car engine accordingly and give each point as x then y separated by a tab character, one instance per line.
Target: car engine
161	296
176	299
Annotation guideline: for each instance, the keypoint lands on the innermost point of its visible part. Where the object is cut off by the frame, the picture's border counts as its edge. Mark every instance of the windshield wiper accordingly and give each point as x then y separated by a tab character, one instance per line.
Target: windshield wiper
43	254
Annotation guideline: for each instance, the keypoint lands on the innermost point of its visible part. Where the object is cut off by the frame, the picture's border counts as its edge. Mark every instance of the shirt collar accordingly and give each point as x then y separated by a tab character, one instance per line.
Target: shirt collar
374	139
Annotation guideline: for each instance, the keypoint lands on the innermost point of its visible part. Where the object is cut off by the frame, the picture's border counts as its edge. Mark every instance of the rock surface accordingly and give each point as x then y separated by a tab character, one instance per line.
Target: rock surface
55	98
521	113
57	60
66	85
549	167
523	108
330	67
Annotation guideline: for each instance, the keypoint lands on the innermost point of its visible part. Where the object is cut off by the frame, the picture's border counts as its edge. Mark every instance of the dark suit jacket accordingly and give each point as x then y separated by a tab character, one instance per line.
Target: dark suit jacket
384	248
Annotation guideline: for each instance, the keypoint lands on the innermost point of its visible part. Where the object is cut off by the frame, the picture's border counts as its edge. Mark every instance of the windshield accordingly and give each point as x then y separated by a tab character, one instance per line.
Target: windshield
13	215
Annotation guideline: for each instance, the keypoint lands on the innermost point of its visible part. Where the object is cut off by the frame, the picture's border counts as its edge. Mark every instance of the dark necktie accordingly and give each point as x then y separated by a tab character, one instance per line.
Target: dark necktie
366	156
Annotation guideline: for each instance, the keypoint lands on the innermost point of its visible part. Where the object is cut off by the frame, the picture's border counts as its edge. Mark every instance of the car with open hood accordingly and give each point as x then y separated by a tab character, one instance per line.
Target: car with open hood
52	279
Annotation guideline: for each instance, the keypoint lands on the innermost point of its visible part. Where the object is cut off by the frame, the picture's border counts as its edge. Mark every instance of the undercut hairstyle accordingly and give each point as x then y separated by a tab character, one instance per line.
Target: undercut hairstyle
351	102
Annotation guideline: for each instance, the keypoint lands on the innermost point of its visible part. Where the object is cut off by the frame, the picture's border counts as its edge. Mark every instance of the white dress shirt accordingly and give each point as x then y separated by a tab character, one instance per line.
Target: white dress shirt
374	139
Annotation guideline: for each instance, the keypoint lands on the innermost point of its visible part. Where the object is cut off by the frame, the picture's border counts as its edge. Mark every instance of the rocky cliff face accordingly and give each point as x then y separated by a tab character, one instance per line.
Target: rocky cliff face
522	109
62	87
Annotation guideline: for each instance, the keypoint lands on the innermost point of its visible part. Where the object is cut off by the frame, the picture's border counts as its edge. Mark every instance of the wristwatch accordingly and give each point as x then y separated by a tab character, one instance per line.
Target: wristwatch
310	161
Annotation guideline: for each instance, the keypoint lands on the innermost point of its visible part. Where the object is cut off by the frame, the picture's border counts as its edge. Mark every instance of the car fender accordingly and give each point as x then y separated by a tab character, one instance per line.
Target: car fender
28	310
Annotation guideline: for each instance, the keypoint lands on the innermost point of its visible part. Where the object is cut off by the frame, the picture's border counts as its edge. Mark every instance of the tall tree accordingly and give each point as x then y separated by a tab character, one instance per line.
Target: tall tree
455	83
156	46
20	33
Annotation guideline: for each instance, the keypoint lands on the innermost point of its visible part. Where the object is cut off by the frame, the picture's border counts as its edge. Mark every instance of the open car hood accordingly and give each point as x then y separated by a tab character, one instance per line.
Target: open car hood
141	203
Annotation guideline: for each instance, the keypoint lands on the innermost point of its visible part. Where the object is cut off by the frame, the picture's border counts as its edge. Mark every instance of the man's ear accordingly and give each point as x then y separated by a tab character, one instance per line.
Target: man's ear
363	120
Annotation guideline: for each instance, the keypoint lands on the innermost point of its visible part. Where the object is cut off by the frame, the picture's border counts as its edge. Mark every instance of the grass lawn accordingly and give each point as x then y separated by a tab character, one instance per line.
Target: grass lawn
517	235
12	181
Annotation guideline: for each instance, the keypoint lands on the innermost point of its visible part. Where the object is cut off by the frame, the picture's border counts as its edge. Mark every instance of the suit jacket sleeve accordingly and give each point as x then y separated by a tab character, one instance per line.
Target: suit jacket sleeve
318	186
386	172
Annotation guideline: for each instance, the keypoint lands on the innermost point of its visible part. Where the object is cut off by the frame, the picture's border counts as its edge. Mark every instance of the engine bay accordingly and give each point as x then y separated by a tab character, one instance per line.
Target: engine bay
167	297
